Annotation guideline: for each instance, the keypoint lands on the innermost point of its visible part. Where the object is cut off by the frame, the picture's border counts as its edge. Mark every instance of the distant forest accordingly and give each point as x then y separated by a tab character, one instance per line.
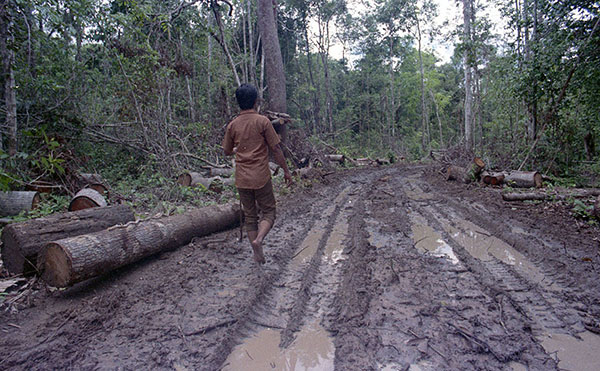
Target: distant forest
124	86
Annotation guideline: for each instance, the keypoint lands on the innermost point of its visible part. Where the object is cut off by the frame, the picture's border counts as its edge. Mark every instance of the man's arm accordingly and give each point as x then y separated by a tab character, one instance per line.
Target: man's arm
280	160
228	143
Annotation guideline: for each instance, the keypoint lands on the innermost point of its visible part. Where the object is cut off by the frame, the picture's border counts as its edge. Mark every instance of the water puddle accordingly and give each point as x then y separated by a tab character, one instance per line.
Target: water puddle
312	349
483	246
572	353
334	247
427	240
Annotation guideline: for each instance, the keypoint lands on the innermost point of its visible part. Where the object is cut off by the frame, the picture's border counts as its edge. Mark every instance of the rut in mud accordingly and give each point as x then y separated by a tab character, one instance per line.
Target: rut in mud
388	269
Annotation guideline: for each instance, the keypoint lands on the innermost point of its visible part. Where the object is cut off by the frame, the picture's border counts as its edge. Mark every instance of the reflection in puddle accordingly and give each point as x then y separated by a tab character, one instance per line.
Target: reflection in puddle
312	349
483	246
427	240
572	353
334	247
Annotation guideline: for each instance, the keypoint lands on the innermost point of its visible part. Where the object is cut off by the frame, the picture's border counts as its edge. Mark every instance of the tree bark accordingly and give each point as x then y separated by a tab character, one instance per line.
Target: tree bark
87	198
425	141
71	260
523	179
273	59
465	175
8	58
12	203
468	119
21	242
556	194
226	172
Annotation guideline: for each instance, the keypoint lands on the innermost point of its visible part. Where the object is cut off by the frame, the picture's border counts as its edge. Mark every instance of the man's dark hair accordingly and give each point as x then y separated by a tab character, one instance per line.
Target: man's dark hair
246	96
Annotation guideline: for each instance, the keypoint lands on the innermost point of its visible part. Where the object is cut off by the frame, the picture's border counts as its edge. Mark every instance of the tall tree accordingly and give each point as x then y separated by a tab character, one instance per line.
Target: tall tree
267	12
467	63
8	77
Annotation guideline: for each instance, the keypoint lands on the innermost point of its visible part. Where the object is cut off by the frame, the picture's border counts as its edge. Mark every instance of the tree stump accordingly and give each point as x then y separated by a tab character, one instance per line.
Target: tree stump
22	241
75	259
12	203
86	199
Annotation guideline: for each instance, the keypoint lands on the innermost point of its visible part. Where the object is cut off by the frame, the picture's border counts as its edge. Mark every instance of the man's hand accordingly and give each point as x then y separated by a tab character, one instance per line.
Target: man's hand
288	178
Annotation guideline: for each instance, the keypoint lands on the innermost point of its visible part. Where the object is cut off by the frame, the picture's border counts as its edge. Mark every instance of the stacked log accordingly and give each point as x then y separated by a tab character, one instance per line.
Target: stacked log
87	198
68	261
12	203
22	241
492	178
96	182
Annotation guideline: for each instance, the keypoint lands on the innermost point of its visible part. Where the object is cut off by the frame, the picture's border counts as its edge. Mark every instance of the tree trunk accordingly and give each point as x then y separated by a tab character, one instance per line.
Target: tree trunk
523	179
12	203
273	58
71	260
21	242
468	120
86	199
8	77
424	140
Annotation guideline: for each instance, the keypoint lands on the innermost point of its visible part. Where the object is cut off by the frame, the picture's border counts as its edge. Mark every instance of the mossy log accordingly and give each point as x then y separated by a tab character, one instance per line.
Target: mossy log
68	261
21	242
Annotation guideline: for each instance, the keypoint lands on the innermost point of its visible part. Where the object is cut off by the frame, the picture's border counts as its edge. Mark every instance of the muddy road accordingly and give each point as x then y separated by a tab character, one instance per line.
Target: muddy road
380	269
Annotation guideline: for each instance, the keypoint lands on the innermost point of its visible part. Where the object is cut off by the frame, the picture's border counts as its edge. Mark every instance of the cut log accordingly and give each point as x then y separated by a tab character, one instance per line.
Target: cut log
71	260
382	161
225	172
556	194
12	203
492	178
96	182
476	168
336	158
364	161
191	179
22	241
86	199
523	179
457	173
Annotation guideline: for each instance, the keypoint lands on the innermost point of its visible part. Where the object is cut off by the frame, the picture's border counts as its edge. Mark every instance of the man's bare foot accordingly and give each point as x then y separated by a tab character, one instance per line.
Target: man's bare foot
259	257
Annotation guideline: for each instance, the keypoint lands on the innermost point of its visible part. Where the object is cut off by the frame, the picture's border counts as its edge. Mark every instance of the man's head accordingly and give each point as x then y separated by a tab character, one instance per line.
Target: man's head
246	96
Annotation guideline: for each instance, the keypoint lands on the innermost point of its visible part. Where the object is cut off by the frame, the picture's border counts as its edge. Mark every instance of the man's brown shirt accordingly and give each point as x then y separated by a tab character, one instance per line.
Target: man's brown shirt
252	134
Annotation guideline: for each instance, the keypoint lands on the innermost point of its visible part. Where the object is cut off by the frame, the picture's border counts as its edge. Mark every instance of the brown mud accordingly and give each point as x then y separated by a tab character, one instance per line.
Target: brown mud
381	269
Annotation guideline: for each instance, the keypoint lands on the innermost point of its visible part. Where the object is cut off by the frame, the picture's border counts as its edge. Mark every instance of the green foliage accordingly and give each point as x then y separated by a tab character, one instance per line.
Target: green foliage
582	210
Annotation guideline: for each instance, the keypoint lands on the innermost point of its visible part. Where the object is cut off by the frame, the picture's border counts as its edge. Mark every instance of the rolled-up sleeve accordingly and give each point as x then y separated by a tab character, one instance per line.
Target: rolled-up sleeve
228	140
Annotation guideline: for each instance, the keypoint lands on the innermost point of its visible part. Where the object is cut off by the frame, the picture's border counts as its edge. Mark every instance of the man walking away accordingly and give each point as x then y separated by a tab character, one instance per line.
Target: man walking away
250	136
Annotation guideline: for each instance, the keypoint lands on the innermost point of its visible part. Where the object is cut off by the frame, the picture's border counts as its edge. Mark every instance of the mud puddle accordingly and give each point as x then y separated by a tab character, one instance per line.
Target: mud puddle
427	240
312	349
574	354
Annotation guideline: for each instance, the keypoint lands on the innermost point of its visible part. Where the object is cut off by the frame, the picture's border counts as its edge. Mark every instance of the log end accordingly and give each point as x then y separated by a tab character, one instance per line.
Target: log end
55	265
86	199
479	162
537	179
13	259
185	179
